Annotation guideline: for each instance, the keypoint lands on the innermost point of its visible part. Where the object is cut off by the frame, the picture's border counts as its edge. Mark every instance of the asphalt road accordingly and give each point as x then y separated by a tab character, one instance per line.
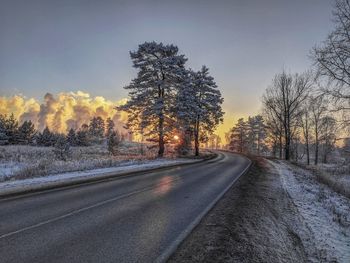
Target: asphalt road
139	218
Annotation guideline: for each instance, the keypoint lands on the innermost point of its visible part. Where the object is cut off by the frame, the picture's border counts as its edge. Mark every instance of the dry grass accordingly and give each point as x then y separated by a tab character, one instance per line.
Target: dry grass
22	161
336	176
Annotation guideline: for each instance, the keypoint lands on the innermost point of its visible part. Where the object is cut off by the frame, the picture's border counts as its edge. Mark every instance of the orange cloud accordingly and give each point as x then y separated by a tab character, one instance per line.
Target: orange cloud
62	112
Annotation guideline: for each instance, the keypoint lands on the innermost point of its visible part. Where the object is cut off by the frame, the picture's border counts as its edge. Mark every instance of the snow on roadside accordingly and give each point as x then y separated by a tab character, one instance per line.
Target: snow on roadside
73	176
325	212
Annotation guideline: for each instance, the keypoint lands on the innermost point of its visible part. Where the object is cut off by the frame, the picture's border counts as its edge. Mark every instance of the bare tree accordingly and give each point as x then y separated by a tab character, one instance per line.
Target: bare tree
284	98
332	58
318	108
305	125
328	129
274	131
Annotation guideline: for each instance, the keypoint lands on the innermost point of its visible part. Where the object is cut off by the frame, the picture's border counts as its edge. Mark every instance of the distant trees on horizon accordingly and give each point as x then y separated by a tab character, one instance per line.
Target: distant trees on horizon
11	132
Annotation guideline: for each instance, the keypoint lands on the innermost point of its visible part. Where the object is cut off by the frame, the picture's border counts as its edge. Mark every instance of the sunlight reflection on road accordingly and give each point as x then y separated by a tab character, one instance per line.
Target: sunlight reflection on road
164	185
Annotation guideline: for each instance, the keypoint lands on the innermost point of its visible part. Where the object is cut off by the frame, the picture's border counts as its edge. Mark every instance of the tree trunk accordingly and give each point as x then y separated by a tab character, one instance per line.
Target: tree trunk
316	145
307	142
196	138
307	151
280	145
161	136
287	145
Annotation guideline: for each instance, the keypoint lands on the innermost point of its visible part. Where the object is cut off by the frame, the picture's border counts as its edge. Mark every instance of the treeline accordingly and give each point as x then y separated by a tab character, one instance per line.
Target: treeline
297	122
249	136
97	131
305	114
167	100
312	135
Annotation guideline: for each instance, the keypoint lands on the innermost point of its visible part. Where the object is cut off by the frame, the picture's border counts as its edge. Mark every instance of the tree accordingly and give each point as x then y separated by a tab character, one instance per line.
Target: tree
109	127
328	129
199	104
72	137
256	133
82	138
305	124
274	130
96	127
317	109
332	58
214	141
208	101
239	136
284	98
4	139
62	148
26	132
46	138
11	129
114	140
152	92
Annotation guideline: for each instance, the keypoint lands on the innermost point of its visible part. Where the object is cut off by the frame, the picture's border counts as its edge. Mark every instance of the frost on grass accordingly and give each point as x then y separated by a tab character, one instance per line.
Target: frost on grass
325	212
22	161
337	176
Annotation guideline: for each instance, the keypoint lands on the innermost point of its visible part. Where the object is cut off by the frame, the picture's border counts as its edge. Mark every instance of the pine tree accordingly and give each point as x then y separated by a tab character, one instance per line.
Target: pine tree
26	132
256	134
239	136
82	138
4	139
46	138
110	127
152	92
11	129
199	102
62	148
96	127
71	137
114	140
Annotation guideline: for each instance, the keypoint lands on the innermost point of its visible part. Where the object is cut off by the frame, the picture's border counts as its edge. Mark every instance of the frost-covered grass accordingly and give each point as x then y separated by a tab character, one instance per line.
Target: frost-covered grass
23	161
335	175
325	213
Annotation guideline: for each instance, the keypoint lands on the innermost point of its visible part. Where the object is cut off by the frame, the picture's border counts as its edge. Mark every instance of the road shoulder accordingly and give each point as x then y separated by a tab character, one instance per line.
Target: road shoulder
255	221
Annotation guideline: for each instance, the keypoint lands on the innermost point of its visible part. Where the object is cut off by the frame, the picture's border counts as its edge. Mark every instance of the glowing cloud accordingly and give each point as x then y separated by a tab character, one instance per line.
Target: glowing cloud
62	112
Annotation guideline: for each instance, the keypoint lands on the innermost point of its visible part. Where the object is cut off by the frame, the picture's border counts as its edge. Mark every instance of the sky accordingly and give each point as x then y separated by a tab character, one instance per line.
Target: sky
62	46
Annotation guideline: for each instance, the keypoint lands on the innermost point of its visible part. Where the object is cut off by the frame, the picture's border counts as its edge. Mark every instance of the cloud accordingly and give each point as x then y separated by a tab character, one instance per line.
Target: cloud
64	111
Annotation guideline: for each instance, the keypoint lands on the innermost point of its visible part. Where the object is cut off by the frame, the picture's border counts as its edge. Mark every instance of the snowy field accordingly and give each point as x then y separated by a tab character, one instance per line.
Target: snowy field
38	183
22	161
325	213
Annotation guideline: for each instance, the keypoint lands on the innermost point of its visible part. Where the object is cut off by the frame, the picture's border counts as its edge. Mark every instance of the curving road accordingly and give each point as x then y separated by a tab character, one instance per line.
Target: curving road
132	219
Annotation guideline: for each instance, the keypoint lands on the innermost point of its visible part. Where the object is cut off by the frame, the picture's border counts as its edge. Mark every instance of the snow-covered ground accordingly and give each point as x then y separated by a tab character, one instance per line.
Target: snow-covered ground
324	212
14	186
23	161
